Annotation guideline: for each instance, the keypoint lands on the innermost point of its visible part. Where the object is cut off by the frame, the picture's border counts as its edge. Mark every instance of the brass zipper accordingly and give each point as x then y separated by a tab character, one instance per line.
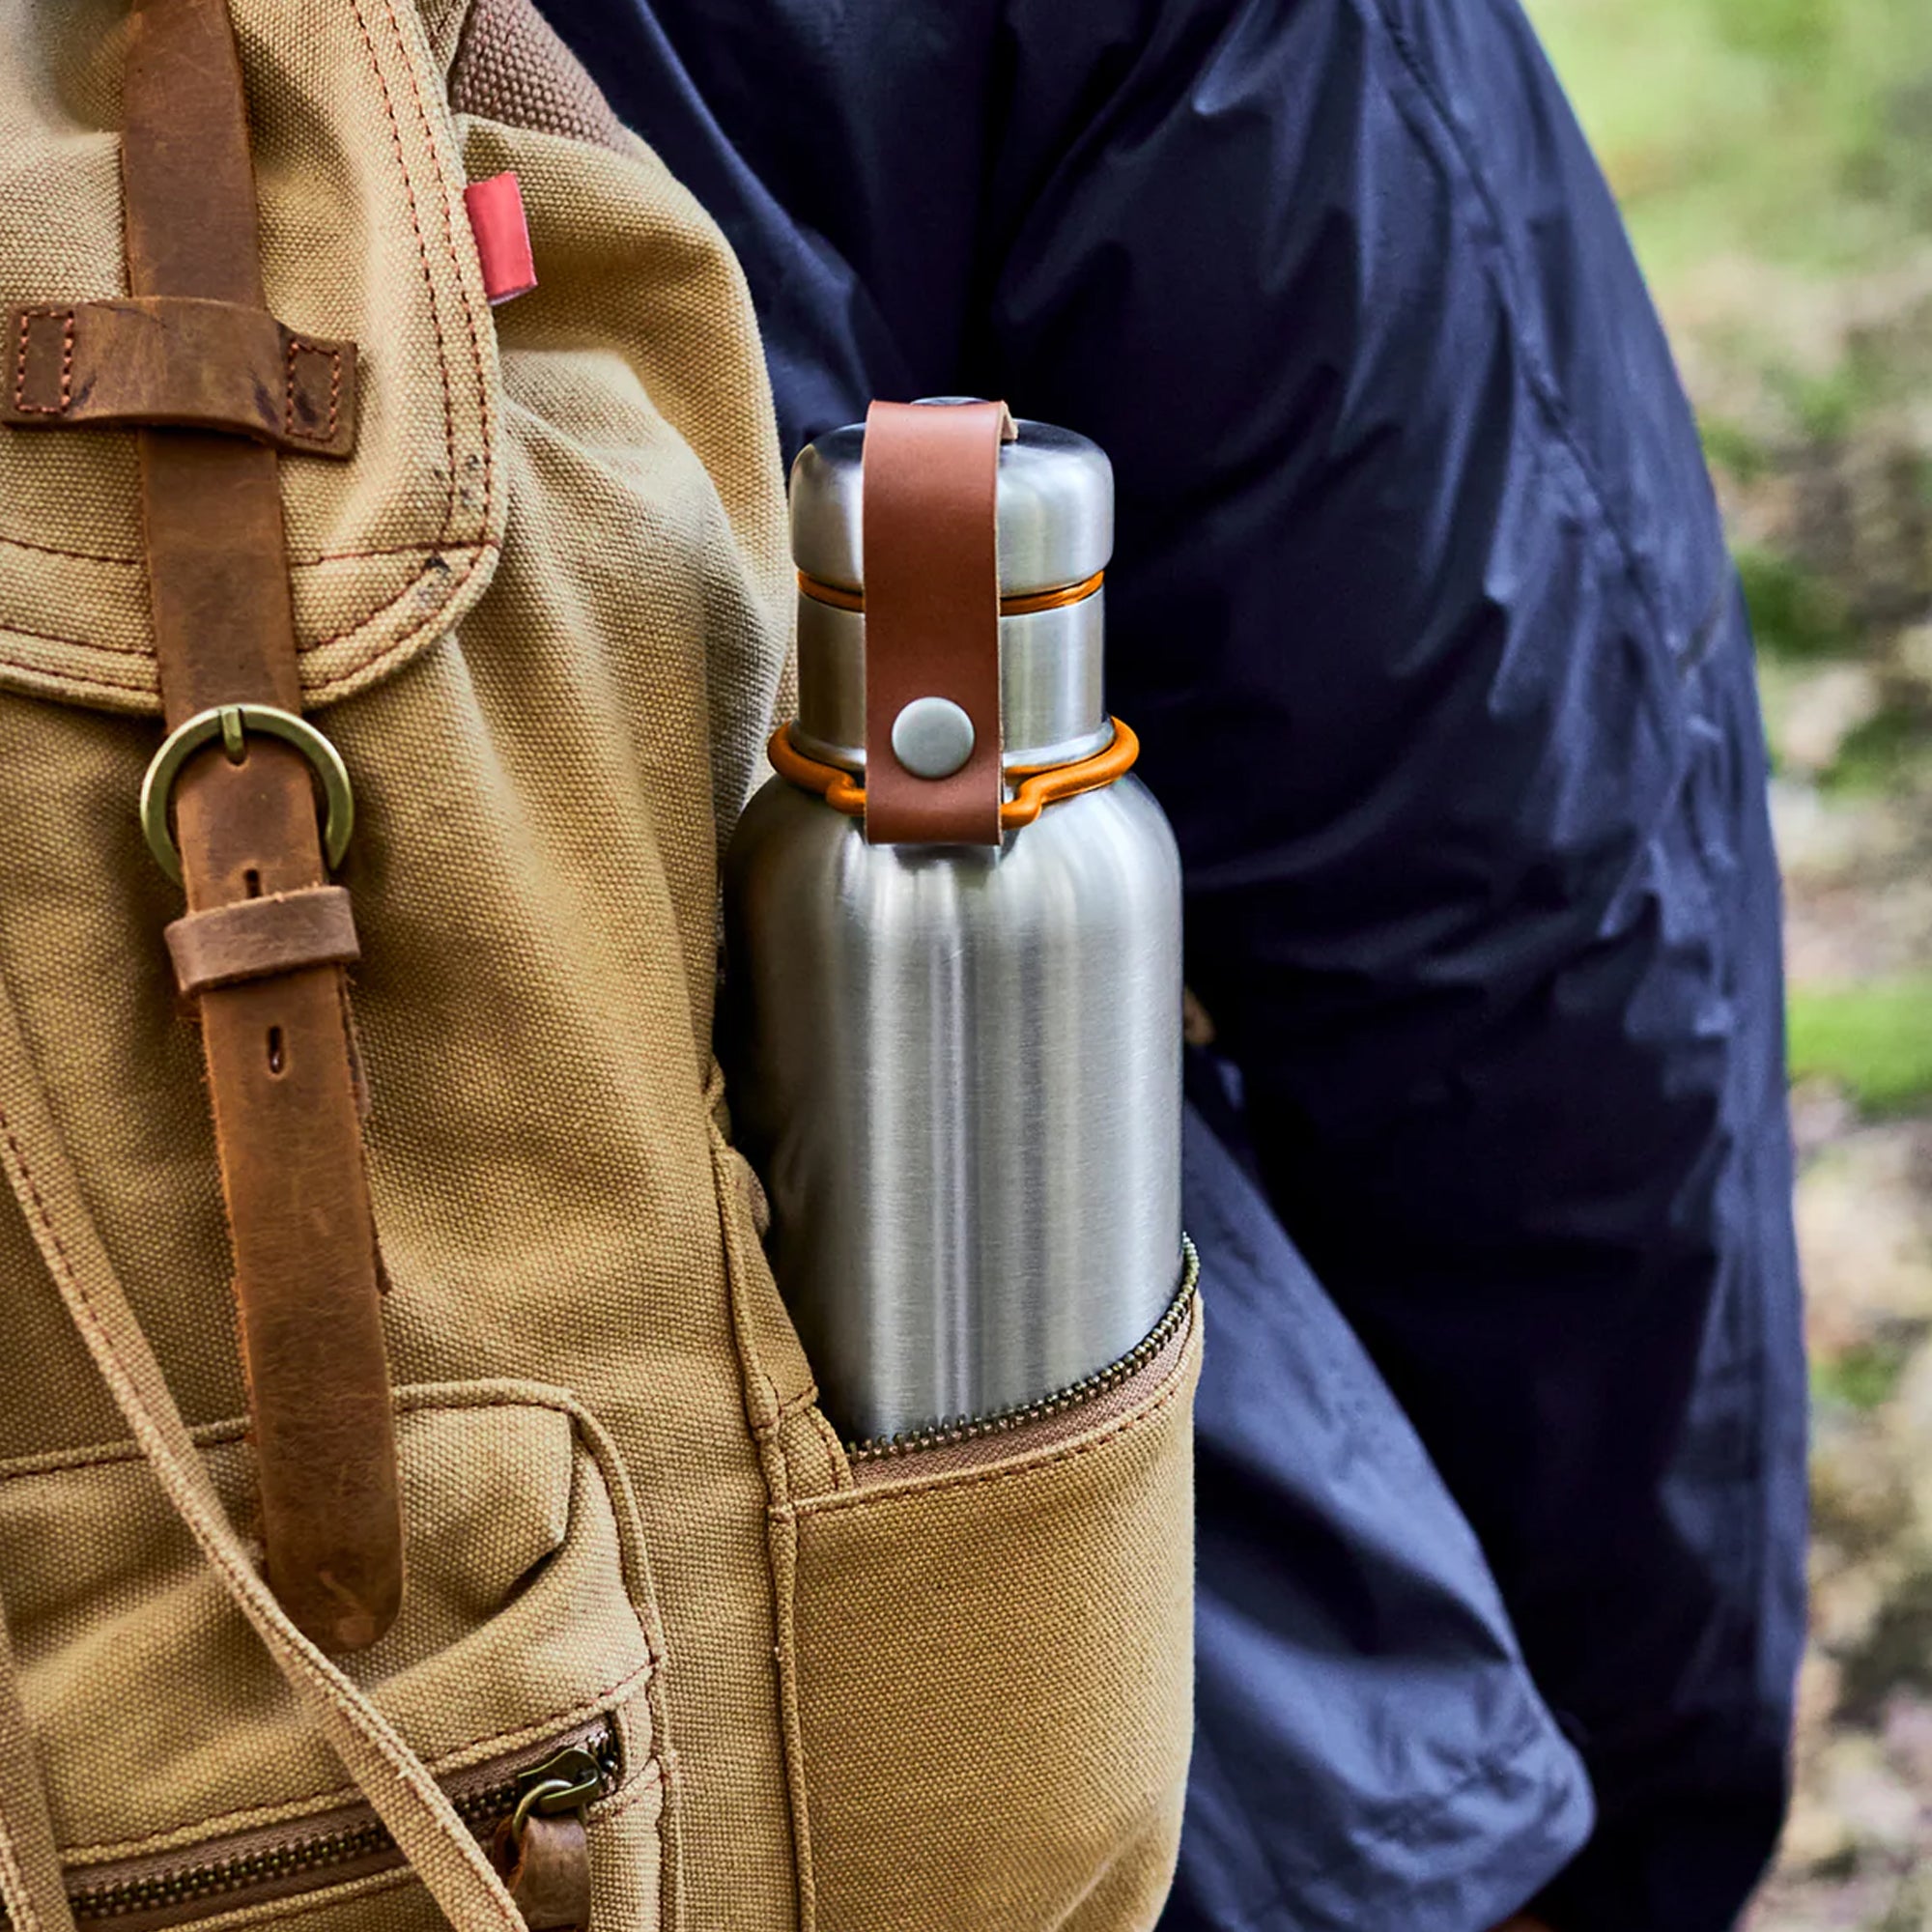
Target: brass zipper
999	1422
139	1894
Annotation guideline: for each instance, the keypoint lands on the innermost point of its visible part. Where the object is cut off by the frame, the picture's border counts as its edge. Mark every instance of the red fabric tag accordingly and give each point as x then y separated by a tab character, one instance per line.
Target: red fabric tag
503	237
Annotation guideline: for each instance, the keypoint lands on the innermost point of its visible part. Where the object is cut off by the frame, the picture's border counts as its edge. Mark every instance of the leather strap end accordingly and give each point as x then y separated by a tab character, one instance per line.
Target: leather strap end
931	542
259	939
178	362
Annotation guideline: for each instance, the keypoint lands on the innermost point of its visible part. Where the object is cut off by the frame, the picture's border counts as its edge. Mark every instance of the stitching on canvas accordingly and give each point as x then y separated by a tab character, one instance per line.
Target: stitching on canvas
429	280
633	1791
462	284
294	562
456	1759
356	556
78	555
28	317
804	1399
94	647
297	347
139	687
835	1449
845	1499
479	551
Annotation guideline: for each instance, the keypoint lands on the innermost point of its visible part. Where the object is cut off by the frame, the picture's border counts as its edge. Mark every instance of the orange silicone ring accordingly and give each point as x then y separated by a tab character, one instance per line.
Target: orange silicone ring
842	599
1037	788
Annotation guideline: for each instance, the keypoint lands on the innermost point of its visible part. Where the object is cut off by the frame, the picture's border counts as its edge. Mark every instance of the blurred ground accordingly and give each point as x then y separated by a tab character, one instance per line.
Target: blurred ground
1775	160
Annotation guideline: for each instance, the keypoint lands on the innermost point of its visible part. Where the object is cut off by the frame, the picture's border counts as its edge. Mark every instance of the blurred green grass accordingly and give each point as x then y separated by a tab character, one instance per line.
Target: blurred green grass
1874	1039
1797	131
1863	1379
1794	614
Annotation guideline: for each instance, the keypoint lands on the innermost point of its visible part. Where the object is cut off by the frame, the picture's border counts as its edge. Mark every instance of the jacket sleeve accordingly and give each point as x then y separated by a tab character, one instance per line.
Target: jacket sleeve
1422	607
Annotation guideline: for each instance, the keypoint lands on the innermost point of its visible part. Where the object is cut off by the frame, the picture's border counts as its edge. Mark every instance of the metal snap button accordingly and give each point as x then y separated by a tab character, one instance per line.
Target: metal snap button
933	737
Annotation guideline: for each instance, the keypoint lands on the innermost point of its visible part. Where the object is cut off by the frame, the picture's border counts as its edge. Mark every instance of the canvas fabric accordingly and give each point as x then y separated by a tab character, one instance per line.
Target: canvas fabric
544	615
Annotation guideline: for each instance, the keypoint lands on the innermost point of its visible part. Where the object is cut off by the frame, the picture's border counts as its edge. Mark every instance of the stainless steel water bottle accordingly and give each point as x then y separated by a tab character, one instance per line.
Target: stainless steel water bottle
956	1043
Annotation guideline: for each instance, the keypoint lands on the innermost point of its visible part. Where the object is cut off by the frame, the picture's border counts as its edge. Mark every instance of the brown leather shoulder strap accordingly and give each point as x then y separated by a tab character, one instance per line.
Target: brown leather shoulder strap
932	622
279	1069
187	171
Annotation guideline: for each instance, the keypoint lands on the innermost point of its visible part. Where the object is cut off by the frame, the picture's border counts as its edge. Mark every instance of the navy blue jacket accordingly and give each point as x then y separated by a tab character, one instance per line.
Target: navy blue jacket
1422	609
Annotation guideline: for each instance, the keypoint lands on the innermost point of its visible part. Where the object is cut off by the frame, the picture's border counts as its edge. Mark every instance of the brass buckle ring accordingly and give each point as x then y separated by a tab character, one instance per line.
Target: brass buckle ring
231	723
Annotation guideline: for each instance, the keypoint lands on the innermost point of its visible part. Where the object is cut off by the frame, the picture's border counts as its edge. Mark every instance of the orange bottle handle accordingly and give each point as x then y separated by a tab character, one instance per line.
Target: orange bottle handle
1039	785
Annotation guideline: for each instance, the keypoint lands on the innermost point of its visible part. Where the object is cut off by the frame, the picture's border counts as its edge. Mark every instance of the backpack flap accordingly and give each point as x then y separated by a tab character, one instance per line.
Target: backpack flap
375	337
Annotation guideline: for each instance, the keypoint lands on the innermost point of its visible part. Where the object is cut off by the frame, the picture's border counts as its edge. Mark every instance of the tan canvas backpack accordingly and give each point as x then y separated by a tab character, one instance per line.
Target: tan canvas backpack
279	488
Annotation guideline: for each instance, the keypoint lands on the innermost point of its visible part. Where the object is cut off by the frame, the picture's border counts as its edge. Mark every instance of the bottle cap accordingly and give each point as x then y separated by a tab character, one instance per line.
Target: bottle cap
1056	536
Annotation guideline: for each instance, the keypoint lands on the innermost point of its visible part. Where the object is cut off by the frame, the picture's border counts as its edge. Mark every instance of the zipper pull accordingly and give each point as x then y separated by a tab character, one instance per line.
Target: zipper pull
543	1849
565	1783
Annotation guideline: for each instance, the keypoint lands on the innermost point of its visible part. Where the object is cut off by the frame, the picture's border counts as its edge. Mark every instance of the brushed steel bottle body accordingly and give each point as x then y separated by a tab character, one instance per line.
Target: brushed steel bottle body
959	1072
957	1069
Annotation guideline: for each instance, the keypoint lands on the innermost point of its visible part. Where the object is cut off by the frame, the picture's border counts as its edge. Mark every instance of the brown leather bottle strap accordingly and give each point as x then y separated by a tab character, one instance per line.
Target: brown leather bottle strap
932	612
277	1048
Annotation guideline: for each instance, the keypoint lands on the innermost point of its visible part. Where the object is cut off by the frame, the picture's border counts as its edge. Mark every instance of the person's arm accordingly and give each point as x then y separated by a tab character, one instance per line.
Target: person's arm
1423	610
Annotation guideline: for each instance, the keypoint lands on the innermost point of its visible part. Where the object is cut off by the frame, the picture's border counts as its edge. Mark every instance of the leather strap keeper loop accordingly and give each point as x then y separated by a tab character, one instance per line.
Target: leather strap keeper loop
261	939
178	362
